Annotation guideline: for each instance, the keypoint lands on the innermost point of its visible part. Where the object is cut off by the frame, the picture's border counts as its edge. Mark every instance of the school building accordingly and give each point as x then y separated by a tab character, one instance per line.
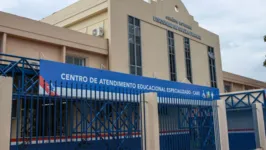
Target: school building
160	39
157	39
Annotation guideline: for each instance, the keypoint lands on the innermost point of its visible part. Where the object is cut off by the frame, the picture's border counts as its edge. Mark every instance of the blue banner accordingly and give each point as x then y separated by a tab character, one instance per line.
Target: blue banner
67	74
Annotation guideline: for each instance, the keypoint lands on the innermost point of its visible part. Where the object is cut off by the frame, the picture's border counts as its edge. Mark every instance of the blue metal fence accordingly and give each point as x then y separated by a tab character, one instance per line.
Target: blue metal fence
101	119
97	117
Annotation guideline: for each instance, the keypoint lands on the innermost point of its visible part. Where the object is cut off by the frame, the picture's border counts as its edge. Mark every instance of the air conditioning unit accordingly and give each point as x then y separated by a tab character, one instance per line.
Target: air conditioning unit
98	32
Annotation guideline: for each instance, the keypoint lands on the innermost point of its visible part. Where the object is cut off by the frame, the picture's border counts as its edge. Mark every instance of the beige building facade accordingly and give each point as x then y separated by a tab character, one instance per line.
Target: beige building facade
154	20
234	83
51	39
28	38
158	39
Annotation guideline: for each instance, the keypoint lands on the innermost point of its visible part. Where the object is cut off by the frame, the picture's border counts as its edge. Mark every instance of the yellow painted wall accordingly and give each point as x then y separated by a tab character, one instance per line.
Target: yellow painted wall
154	56
180	58
91	23
92	60
78	11
113	15
200	63
154	40
28	48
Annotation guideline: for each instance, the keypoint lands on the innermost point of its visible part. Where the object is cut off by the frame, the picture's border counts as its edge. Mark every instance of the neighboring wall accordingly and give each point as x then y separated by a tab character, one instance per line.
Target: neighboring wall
83	16
29	38
235	83
154	41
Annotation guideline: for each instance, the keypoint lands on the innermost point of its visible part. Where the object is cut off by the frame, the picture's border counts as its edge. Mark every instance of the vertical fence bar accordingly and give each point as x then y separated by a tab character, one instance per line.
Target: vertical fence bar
31	117
37	119
55	113
101	111
71	112
91	112
95	113
76	105
43	112
18	114
60	112
110	113
87	111
66	113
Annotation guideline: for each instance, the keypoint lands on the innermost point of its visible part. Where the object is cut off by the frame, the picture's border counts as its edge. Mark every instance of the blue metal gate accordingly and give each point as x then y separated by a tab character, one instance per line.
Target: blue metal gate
240	119
186	124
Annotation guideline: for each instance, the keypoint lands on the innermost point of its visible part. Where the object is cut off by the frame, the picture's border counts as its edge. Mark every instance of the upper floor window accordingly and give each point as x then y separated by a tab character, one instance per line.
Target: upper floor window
212	67
75	60
188	59
134	40
227	87
171	52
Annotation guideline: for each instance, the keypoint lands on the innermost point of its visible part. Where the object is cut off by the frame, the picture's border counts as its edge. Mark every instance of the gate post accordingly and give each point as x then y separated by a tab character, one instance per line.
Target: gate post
220	125
258	122
5	111
150	122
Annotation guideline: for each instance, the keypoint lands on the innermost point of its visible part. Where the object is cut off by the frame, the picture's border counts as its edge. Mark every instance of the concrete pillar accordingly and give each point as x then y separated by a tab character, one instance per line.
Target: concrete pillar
150	122
258	122
63	59
4	37
3	46
220	125
5	111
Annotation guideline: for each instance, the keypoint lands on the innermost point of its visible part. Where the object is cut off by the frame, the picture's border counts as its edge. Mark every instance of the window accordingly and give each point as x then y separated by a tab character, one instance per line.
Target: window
212	67
171	52
75	60
134	40
227	87
249	87
188	59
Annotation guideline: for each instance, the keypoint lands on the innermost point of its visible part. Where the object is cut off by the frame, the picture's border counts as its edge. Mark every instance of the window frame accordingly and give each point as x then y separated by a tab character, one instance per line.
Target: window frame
135	60
82	60
171	55
212	67
227	86
188	60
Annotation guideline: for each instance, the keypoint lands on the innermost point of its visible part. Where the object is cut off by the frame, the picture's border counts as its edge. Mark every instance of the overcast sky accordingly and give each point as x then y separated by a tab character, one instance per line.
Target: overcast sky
240	24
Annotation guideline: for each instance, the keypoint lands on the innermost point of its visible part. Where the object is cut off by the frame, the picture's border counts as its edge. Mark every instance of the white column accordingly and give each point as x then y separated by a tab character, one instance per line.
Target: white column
220	125
150	122
4	37
258	122
5	111
3	46
63	55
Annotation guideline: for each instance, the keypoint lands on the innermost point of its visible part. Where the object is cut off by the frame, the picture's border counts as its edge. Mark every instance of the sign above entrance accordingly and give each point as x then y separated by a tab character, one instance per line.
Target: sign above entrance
65	75
176	25
178	22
